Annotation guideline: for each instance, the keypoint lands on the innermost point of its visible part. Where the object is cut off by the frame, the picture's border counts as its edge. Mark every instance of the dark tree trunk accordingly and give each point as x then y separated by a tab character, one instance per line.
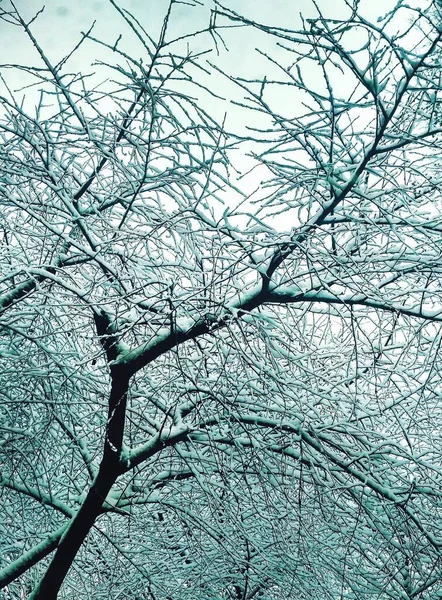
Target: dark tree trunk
81	524
74	537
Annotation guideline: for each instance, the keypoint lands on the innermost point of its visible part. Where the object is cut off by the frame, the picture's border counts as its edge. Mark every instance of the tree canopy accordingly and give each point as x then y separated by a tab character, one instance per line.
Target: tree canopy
220	335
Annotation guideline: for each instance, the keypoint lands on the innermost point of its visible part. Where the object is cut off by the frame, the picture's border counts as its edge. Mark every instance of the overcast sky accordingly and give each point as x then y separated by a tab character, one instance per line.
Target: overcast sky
59	27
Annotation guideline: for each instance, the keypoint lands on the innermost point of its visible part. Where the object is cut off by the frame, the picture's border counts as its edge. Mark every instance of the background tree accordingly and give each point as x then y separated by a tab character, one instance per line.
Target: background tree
207	393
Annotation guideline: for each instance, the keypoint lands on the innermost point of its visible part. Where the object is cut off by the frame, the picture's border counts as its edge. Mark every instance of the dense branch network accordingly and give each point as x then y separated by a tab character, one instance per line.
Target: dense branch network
210	390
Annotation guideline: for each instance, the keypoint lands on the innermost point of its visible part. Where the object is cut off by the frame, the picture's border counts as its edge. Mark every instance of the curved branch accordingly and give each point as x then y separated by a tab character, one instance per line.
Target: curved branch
37	495
31	557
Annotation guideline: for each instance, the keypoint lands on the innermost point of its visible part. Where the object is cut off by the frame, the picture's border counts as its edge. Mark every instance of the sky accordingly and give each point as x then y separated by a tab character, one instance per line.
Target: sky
58	29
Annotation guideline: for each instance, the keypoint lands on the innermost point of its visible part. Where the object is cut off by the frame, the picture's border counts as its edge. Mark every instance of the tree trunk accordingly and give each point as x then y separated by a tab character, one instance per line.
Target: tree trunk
81	524
75	535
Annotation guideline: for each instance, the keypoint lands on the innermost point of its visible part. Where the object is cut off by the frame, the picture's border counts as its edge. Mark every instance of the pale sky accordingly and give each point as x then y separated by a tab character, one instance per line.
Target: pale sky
59	27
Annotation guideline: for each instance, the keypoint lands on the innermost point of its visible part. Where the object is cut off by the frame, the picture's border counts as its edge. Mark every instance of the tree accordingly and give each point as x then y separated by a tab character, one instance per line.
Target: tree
208	393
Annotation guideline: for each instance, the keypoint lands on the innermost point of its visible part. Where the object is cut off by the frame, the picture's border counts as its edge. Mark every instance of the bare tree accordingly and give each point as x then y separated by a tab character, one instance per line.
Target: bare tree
207	393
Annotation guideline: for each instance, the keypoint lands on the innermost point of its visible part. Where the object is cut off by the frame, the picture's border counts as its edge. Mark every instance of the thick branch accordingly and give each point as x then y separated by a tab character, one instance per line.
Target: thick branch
38	495
292	296
138	358
31	557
